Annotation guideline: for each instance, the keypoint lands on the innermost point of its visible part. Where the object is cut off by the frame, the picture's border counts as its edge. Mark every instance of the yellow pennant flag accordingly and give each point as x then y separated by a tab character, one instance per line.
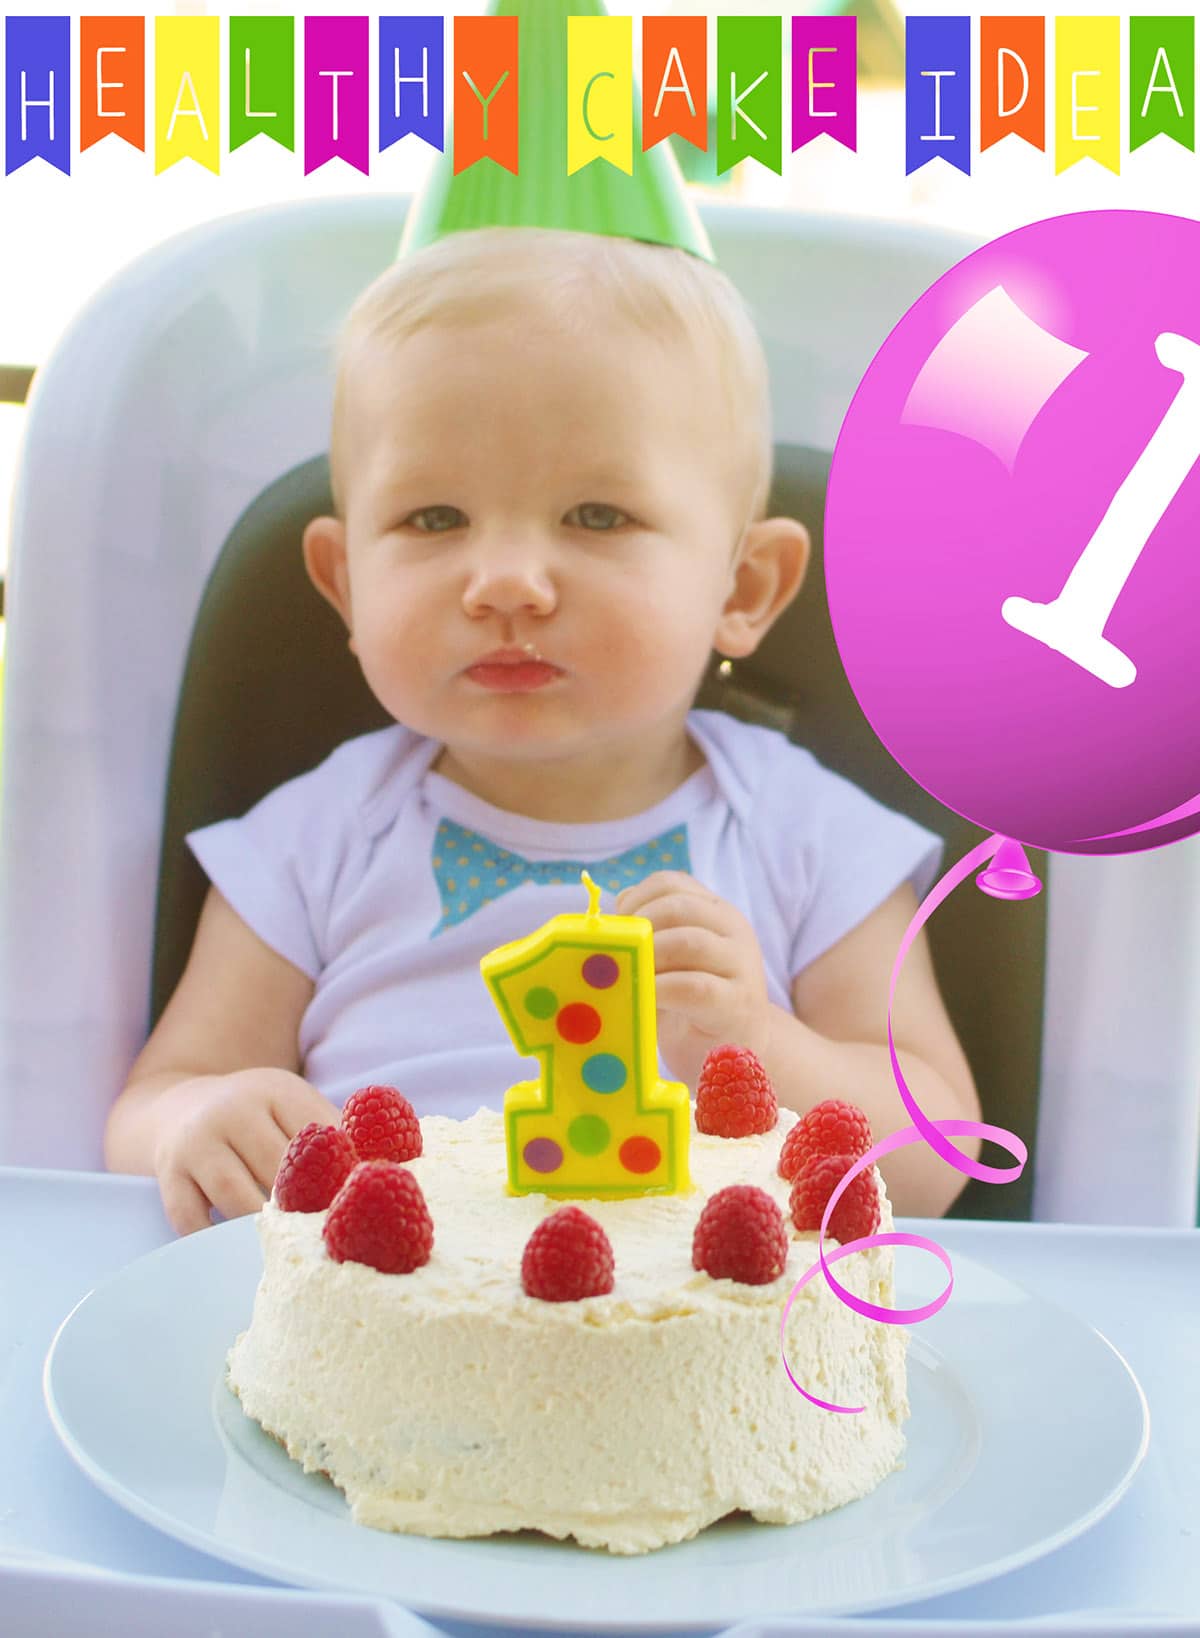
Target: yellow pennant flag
187	91
600	92
1087	91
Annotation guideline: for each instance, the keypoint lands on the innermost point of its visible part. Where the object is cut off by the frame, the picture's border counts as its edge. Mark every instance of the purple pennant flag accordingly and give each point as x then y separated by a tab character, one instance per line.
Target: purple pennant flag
37	92
337	91
825	80
411	80
937	92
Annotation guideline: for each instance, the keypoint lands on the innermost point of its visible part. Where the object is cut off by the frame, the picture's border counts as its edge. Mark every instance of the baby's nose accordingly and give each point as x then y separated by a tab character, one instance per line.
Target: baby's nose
510	580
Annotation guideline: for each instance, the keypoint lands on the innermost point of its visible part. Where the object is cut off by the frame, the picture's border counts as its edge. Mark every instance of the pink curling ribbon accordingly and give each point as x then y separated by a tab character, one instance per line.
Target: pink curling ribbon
934	1132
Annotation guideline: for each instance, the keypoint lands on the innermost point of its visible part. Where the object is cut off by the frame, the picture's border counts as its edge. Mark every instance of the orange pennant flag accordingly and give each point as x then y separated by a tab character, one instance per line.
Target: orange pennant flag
112	80
674	80
1012	80
486	122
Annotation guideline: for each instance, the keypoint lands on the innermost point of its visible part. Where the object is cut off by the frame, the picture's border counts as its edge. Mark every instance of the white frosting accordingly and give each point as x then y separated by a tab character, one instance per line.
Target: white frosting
448	1403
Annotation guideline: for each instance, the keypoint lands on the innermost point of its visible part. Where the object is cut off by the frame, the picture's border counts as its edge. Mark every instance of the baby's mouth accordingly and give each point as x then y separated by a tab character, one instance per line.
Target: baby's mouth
513	670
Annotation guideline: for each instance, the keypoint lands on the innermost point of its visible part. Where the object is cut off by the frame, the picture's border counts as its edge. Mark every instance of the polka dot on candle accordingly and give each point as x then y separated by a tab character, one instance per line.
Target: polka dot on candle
541	1003
640	1154
600	971
603	1072
577	1022
543	1155
588	1135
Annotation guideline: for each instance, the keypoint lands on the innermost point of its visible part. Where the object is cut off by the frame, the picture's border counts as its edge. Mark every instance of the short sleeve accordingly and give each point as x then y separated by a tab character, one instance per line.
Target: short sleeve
280	864
262	865
831	854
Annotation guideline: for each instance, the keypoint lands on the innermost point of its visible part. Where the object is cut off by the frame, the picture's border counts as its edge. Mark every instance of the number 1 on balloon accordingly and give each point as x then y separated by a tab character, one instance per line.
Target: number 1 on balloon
1073	624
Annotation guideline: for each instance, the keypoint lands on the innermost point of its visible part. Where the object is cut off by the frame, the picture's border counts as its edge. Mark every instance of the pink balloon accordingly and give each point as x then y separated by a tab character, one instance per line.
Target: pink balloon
1012	535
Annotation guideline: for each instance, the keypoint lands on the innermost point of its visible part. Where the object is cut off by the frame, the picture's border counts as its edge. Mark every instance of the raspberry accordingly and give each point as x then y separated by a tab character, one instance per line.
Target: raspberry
734	1097
567	1257
380	1218
831	1128
381	1124
741	1236
318	1161
856	1213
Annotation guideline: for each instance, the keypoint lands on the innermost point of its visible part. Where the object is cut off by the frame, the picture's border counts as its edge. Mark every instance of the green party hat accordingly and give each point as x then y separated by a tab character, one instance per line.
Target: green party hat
651	204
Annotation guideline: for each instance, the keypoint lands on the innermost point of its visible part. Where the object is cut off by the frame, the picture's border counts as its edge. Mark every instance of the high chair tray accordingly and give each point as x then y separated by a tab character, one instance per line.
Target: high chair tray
1138	1286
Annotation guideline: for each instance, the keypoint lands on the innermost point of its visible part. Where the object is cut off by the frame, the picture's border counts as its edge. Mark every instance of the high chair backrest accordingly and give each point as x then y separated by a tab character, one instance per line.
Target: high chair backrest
172	454
294	692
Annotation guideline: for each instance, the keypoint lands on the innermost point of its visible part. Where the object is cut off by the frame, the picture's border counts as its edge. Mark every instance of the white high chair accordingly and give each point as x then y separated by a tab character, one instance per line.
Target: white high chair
199	375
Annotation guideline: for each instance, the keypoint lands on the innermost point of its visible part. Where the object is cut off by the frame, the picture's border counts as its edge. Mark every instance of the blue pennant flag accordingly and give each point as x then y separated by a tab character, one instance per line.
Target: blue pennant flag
37	92
410	80
937	92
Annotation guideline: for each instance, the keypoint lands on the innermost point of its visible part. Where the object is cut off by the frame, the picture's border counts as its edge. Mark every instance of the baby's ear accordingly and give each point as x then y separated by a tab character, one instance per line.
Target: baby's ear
324	549
769	570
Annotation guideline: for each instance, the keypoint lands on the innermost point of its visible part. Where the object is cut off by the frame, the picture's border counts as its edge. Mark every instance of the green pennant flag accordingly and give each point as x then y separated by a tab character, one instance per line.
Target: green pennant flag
750	92
1162	80
262	82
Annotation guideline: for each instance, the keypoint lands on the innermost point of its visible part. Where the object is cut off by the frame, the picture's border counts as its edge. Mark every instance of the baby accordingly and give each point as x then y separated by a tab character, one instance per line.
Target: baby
550	458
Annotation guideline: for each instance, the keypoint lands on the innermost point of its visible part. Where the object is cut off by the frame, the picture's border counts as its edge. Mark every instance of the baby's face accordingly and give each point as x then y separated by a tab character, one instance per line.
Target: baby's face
510	488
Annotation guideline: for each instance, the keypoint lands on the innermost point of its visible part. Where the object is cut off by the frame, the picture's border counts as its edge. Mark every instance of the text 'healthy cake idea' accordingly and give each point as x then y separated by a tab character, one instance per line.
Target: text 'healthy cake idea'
464	1353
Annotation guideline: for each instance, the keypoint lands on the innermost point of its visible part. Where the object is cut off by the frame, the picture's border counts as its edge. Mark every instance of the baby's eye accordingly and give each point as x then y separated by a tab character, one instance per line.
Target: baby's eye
438	520
598	515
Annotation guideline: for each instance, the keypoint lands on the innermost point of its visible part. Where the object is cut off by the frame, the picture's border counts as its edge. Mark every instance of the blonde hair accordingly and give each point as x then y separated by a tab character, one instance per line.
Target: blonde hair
467	278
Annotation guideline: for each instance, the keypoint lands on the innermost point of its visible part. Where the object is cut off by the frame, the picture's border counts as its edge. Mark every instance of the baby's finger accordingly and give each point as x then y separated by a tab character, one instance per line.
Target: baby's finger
295	1104
224	1178
631	899
260	1148
691	995
675	909
184	1203
694	949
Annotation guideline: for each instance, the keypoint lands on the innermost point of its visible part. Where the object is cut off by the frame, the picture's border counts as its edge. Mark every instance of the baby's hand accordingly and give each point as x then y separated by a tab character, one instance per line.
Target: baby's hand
221	1138
709	978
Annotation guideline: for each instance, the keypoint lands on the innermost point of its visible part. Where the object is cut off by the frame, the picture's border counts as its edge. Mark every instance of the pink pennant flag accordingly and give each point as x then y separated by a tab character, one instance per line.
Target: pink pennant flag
825	80
337	91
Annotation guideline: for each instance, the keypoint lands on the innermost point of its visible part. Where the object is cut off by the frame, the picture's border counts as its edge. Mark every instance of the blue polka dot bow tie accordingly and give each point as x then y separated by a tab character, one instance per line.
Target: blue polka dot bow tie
471	871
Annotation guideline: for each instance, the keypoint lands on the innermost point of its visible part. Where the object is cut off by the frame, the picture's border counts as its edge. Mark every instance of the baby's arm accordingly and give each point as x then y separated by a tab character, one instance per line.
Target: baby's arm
834	1045
214	1097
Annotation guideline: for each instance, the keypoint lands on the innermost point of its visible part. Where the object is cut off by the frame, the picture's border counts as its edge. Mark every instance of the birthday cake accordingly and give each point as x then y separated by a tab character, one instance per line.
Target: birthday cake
445	1400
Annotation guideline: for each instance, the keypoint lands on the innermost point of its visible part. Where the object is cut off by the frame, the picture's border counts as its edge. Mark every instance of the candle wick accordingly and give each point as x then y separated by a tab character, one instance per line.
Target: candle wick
593	894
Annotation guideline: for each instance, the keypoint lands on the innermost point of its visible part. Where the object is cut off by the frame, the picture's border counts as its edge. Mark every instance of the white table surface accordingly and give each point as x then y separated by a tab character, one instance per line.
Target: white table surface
66	1548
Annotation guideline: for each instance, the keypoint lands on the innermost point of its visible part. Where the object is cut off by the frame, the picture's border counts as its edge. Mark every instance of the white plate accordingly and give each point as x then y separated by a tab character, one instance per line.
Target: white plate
1026	1427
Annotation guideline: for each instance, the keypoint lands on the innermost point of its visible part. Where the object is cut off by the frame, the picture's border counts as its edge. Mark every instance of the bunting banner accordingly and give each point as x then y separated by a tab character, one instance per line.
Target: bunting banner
825	80
37	92
367	82
187	92
937	92
112	80
262	81
1087	92
1012	80
486	118
600	92
411	77
750	92
674	80
1162	80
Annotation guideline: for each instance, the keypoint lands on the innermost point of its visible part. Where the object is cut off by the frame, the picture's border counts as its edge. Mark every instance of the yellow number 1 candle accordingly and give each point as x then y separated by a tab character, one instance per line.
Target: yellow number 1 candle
579	995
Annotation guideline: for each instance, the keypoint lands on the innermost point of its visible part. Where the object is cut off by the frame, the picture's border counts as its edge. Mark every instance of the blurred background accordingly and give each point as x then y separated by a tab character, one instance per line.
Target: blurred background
61	237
